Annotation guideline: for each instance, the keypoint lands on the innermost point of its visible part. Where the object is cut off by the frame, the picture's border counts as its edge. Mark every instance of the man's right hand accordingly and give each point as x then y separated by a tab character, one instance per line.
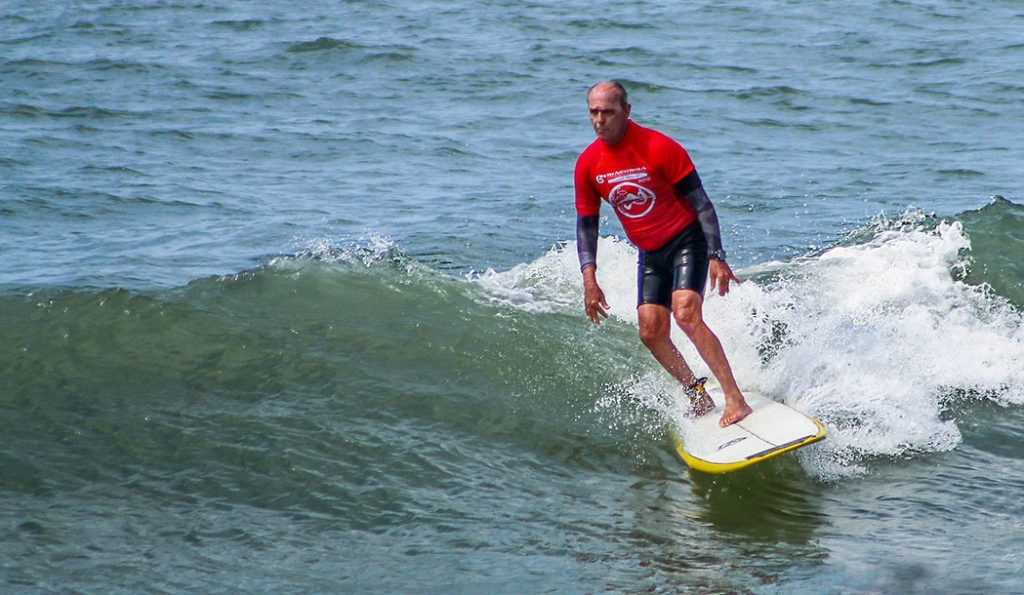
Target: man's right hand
593	297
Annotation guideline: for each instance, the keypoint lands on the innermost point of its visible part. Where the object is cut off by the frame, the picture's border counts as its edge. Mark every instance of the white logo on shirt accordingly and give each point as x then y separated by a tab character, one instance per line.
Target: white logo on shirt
623	175
631	200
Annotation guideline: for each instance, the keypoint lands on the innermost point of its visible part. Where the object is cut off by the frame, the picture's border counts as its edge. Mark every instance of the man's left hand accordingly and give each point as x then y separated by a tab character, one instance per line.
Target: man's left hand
721	275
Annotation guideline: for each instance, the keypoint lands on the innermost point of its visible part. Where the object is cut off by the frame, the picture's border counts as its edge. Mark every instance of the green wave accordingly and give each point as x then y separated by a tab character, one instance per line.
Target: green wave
996	232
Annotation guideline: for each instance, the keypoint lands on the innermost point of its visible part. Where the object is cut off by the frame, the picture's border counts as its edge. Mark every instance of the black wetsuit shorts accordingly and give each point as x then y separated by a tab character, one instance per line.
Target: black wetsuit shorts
682	263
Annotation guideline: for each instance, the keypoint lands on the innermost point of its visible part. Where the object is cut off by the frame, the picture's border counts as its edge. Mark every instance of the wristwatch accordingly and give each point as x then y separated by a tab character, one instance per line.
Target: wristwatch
717	254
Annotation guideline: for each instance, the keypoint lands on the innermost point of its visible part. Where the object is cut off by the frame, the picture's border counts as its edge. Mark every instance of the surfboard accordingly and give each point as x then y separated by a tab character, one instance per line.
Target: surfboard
771	430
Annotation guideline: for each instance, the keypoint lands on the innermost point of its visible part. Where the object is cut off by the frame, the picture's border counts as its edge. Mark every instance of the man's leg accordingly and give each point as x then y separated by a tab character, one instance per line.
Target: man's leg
687	306
655	322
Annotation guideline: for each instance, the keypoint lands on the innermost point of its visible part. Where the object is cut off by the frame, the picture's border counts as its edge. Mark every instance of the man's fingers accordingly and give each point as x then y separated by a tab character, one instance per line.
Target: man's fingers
721	279
594	302
731	278
596	310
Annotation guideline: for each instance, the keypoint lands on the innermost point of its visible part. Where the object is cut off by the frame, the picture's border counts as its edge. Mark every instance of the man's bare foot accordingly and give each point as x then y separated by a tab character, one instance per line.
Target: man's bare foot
734	411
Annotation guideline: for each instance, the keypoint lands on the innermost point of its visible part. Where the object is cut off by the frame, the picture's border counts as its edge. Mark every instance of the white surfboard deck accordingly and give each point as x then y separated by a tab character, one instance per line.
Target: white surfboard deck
772	429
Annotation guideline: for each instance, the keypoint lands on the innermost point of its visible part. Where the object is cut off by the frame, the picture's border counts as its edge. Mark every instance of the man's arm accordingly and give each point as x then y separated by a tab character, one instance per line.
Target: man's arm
586	249
691	188
586	240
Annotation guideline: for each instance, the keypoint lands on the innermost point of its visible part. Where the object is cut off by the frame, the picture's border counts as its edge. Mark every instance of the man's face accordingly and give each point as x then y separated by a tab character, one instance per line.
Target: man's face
607	114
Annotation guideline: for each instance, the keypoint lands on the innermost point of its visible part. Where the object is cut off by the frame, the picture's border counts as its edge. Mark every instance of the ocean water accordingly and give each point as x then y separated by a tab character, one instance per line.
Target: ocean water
290	301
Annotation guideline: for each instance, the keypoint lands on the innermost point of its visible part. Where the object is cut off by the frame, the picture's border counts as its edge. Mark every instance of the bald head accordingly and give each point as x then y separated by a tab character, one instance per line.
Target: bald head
613	87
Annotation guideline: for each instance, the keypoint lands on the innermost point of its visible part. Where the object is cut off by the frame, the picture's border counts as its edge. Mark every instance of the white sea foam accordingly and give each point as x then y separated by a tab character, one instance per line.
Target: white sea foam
553	281
877	339
366	252
544	285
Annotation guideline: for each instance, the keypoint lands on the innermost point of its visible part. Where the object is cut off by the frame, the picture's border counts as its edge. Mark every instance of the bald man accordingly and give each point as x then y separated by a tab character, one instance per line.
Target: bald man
652	185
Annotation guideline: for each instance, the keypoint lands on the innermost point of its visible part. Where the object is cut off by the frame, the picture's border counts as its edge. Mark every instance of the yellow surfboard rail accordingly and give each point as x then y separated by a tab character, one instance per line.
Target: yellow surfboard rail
711	467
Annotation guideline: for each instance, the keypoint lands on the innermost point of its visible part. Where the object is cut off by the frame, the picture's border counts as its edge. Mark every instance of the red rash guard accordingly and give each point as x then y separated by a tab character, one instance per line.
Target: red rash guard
636	176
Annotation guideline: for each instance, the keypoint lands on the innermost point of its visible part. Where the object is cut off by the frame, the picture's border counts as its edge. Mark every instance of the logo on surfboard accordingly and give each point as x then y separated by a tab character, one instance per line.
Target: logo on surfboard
731	442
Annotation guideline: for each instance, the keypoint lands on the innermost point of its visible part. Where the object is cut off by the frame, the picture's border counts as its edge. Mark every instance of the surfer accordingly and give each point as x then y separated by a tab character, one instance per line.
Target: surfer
652	185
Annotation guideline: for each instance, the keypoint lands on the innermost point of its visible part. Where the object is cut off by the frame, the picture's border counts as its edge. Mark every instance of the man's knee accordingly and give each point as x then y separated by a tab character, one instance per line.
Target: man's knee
686	310
653	329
